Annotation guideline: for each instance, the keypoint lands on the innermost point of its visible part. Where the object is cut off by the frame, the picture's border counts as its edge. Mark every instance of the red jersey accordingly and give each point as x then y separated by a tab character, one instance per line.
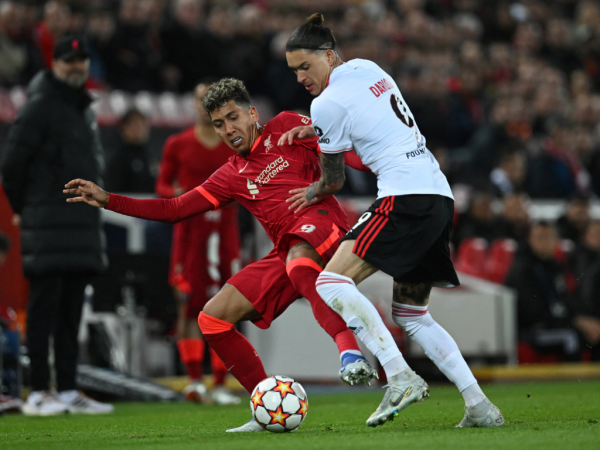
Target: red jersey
262	180
188	162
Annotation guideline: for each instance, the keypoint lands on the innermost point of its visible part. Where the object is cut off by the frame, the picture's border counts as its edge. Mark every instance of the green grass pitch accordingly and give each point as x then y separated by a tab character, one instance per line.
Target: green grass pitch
538	415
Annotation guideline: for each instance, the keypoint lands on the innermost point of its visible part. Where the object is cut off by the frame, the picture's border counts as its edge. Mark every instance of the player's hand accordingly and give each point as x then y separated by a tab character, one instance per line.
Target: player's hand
87	192
304	132
299	201
16	220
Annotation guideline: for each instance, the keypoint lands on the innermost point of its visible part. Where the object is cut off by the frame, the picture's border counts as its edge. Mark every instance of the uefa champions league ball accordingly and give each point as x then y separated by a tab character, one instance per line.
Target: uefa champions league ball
279	404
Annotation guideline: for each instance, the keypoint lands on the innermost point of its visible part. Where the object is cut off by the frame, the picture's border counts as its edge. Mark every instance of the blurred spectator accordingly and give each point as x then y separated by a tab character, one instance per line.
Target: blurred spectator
54	24
19	58
132	58
545	310
54	139
249	55
514	222
128	169
574	222
100	28
586	269
557	171
190	51
465	107
558	48
479	221
509	174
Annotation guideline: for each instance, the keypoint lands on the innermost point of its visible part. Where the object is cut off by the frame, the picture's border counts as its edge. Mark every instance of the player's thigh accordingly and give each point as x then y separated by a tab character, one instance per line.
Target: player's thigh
231	306
345	262
416	294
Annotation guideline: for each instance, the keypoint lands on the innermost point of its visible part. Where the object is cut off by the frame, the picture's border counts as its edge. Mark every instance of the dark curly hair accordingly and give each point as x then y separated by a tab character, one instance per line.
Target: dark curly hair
223	91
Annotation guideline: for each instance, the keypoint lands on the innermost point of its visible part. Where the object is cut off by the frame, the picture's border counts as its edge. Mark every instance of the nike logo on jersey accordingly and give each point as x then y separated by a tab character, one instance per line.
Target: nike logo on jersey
244	167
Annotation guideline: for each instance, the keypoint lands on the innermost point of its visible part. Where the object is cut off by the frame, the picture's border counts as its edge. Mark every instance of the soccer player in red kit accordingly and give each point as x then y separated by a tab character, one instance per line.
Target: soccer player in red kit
259	177
205	250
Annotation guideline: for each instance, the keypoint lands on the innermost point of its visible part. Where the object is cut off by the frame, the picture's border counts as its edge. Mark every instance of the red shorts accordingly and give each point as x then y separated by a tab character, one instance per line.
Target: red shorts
207	249
266	283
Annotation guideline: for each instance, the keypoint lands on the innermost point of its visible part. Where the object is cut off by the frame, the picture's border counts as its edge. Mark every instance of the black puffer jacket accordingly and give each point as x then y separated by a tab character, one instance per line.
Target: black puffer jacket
54	139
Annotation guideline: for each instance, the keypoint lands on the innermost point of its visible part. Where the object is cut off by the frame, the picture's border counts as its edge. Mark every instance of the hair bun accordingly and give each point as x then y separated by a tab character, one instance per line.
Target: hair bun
316	19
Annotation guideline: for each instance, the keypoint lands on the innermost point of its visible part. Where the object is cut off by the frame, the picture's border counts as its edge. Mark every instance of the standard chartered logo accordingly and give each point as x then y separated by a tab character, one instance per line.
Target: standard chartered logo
271	170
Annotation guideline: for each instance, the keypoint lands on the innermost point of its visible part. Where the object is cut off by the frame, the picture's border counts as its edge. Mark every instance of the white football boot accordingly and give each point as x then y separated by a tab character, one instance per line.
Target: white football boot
79	403
400	394
482	415
356	369
43	403
249	427
196	392
220	395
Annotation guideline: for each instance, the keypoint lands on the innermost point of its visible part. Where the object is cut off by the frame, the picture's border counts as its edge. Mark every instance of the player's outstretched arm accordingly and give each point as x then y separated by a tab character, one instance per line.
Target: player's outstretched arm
163	210
332	180
87	192
297	133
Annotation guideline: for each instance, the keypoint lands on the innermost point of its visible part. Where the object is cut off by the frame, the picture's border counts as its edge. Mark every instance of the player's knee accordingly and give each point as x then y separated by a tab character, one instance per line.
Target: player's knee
212	325
412	324
412	293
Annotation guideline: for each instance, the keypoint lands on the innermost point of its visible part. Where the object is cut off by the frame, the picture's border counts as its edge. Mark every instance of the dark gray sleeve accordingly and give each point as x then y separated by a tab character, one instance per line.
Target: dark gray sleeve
24	141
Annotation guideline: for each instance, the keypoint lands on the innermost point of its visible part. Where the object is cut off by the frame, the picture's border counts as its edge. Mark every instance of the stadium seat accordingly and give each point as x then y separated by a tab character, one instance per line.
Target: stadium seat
500	259
471	257
528	355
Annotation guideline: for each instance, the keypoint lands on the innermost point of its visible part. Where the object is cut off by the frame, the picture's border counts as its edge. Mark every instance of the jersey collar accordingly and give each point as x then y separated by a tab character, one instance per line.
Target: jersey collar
332	72
256	142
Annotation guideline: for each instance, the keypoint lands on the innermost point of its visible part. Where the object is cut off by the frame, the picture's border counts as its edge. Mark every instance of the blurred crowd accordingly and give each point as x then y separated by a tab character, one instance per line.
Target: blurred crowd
505	92
554	268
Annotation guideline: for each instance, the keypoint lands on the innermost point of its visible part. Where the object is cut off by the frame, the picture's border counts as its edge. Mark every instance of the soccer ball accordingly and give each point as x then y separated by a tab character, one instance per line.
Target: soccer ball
279	404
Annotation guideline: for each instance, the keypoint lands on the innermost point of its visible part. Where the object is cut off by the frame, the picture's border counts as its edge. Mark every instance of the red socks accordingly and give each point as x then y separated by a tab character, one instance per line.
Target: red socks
303	273
218	368
191	352
236	352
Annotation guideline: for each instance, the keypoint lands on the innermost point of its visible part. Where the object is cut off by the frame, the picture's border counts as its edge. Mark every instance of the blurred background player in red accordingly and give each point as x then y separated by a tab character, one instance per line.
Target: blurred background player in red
205	250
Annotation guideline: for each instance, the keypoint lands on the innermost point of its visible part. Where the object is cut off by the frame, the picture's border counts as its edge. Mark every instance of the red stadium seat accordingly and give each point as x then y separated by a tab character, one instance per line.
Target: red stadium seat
500	259
471	257
528	355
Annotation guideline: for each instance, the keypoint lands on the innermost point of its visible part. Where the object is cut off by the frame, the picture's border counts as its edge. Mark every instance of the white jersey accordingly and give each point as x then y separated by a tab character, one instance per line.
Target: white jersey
362	109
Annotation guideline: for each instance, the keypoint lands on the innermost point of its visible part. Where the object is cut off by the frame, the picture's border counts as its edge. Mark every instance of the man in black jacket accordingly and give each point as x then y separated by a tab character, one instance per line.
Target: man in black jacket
545	308
55	138
585	265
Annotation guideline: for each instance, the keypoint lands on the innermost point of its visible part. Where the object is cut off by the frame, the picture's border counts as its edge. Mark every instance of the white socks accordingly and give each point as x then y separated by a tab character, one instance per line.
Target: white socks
341	294
439	347
473	395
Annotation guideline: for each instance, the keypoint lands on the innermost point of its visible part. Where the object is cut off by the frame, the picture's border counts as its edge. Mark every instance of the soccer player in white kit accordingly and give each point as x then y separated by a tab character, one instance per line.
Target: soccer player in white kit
405	233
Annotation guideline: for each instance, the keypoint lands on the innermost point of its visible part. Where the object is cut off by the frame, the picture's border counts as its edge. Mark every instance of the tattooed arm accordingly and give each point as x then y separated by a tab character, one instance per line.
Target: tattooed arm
332	180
